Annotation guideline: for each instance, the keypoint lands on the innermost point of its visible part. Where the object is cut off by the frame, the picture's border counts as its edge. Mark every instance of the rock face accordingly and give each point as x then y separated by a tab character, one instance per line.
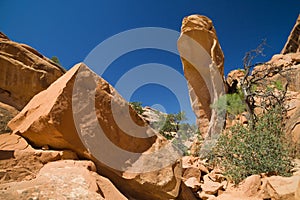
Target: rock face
234	79
203	64
292	126
57	180
290	57
6	114
281	188
45	174
20	162
289	65
151	115
24	72
80	99
293	43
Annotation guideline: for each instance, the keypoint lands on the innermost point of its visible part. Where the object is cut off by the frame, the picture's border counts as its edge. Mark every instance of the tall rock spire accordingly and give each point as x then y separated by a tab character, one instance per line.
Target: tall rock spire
203	65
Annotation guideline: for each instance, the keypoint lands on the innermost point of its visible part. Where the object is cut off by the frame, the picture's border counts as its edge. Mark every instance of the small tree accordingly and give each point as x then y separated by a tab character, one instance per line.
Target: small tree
260	146
258	86
55	60
169	123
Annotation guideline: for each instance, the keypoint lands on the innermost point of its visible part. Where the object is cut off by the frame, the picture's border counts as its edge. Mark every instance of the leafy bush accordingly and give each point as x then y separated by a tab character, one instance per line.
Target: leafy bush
244	150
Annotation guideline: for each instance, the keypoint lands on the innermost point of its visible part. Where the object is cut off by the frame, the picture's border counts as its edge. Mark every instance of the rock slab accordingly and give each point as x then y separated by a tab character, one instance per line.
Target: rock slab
52	119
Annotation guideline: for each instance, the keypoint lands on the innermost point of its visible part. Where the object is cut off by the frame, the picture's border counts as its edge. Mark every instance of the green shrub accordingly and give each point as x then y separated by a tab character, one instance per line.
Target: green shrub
137	106
232	104
244	150
55	60
169	123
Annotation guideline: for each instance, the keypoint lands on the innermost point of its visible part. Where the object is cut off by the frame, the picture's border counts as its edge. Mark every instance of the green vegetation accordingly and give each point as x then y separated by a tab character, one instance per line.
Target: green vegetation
259	146
243	150
172	127
231	103
55	60
169	123
137	106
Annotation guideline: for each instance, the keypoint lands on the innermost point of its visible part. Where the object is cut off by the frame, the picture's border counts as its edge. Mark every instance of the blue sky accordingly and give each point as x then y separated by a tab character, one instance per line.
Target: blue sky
71	29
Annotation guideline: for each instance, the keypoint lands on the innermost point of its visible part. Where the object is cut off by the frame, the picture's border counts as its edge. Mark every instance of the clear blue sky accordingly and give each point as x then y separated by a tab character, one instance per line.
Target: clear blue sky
71	29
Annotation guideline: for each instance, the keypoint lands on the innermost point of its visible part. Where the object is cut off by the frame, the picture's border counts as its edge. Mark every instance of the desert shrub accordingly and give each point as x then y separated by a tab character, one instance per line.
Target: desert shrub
137	106
232	104
185	137
261	145
169	123
245	150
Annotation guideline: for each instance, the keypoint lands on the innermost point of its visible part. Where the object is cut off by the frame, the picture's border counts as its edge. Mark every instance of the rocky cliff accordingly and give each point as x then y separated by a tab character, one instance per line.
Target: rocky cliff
24	72
293	43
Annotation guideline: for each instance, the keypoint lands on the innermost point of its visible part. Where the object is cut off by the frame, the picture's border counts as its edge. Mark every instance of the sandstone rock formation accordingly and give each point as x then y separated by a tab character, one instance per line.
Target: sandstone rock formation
293	43
203	64
57	180
24	72
151	115
20	162
211	184
67	116
234	79
6	114
289	65
37	174
281	188
292	126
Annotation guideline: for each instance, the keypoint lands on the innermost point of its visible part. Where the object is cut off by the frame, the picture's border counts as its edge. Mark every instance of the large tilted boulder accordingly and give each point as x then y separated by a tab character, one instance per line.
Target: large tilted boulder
24	72
82	112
